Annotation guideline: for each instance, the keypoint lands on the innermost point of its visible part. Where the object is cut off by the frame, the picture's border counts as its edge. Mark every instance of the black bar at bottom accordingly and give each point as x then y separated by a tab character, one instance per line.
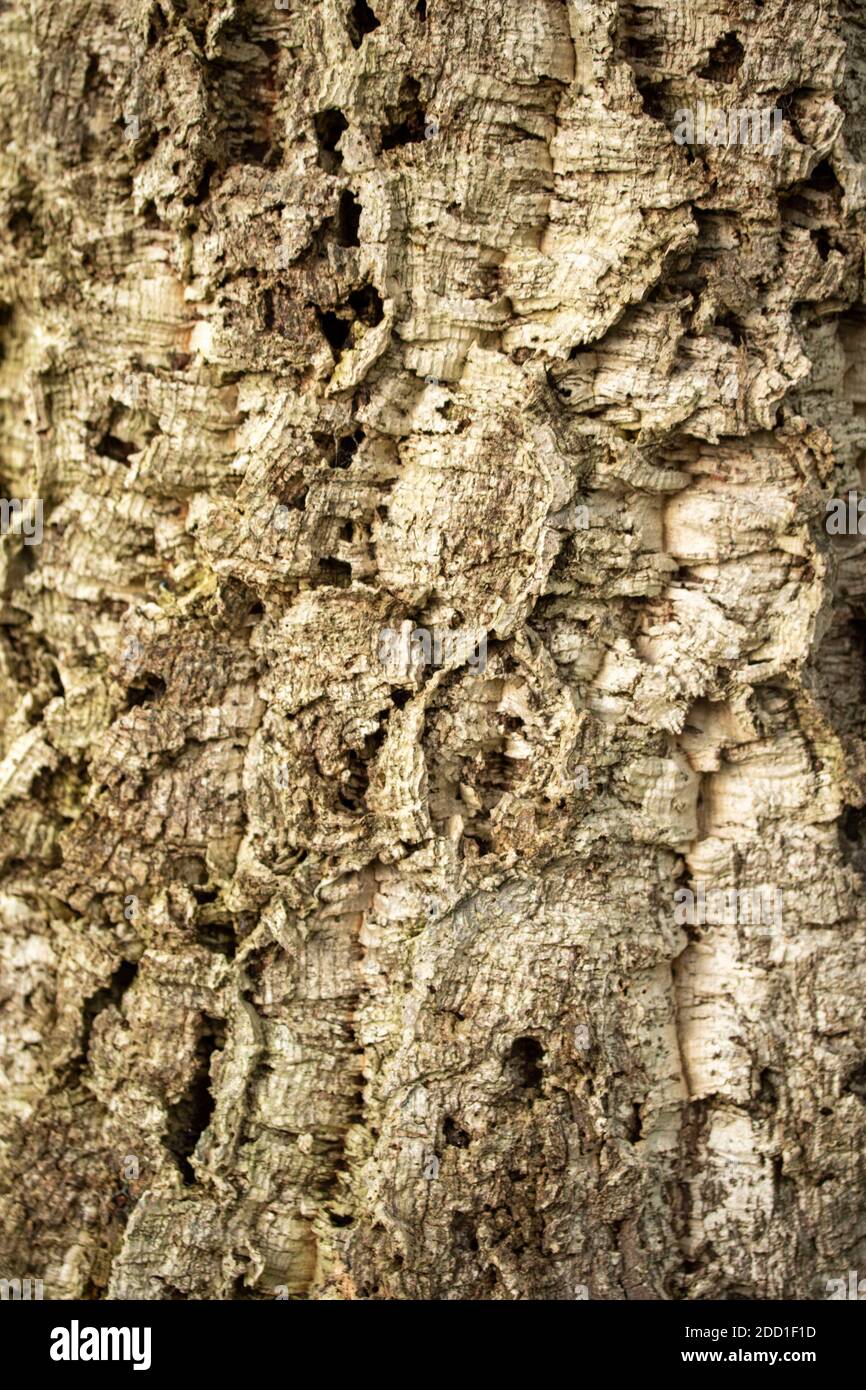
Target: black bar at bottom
198	1339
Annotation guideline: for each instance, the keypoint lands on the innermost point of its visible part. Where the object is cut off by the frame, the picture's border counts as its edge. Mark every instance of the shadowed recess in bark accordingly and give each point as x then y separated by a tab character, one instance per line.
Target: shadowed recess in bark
524	1064
725	60
361	21
406	120
329	126
110	994
189	1117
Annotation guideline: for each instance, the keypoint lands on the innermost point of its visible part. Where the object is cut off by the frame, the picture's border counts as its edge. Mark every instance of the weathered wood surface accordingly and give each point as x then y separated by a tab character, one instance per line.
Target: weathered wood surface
327	979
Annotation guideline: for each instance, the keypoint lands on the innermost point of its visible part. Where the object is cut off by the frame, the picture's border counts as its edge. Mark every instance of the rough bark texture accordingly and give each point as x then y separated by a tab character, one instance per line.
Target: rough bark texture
327	980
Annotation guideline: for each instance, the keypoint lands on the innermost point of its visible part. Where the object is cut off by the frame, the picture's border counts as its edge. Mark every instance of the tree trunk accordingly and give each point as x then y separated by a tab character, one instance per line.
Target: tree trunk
434	591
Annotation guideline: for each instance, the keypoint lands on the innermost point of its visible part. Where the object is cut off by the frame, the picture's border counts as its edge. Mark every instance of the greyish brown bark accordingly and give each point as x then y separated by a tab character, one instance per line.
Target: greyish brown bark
332	976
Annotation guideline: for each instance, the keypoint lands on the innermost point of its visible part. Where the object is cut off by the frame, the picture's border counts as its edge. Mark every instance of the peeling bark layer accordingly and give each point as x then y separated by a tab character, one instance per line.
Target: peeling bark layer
330	977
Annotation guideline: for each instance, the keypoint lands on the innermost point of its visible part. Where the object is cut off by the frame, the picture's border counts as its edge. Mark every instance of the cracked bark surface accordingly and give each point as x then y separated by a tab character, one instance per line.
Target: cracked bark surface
322	318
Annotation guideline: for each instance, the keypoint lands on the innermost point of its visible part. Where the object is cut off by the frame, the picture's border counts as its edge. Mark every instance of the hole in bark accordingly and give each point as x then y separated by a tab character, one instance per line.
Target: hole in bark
768	1096
191	870
112	993
463	1231
856	1083
822	243
157	26
113	448
406	120
850	834
858	636
220	937
634	1126
91	76
480	840
189	1117
654	98
399	698
367	304
348	219
149	687
729	321
347	447
203	187
454	1135
788	103
25	229
353	785
296	500
851	823
812	202
337	573
257	152
725	59
325	444
524	1063
823	178
360	22
329	126
421	11
335	329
